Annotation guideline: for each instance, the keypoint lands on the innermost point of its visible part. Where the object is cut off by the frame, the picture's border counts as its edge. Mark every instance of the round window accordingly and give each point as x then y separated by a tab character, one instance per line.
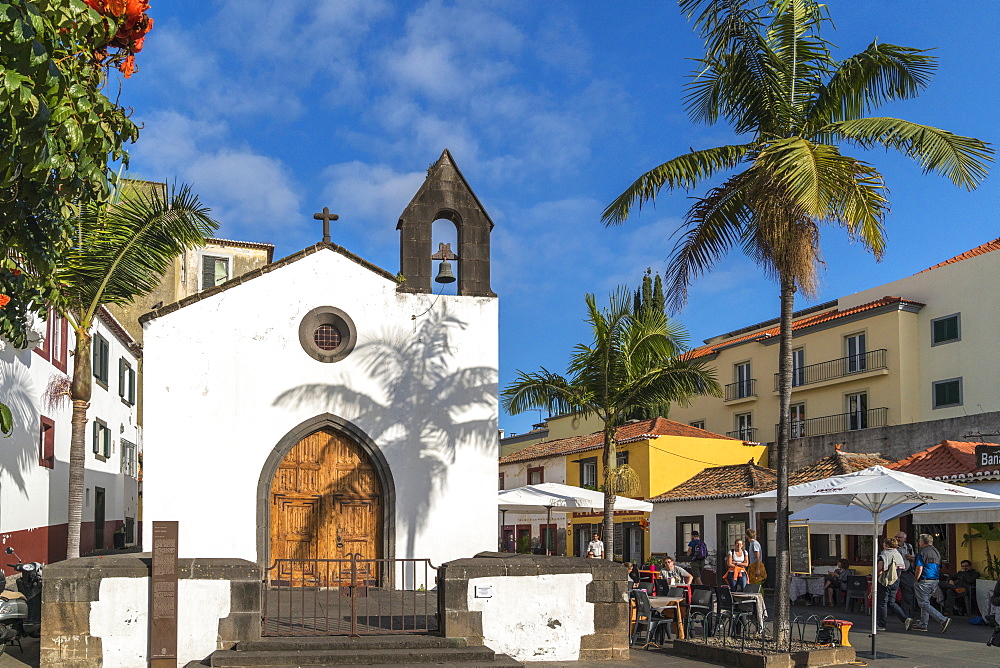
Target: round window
327	334
327	337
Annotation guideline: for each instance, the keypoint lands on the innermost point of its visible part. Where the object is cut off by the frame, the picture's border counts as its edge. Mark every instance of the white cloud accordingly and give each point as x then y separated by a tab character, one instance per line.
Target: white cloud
374	196
251	194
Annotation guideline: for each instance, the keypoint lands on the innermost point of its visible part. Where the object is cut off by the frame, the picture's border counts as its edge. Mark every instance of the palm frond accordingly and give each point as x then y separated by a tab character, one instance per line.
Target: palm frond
123	249
961	159
542	389
879	74
684	171
714	225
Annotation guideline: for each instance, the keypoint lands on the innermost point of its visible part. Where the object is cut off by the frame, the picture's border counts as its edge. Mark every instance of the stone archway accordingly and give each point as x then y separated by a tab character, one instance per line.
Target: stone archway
325	492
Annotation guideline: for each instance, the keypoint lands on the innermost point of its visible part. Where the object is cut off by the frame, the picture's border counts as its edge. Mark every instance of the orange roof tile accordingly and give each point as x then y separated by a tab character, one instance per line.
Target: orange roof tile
948	460
801	323
988	247
632	432
720	482
839	463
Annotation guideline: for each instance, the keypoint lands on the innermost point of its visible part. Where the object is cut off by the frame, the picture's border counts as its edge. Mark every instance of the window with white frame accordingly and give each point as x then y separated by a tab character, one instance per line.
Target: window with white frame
744	383
797	420
130	459
698	424
214	270
588	473
101	439
798	367
126	381
744	426
856	348
857	411
101	356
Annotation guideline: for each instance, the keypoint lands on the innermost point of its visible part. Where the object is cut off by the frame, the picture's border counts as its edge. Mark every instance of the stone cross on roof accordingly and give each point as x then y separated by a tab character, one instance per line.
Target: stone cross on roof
326	217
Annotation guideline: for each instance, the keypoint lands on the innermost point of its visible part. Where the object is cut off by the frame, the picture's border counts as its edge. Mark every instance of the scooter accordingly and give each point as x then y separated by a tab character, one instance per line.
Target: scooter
21	611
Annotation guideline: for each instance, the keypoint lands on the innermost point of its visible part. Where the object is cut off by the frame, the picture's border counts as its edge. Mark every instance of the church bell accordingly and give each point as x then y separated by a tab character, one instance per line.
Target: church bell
445	274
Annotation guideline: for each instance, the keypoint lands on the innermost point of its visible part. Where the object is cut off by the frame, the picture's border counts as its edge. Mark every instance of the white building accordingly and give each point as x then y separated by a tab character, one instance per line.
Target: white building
522	531
34	461
321	406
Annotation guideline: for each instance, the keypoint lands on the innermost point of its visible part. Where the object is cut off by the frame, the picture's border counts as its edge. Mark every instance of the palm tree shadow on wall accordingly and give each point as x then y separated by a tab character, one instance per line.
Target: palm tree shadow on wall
419	411
17	390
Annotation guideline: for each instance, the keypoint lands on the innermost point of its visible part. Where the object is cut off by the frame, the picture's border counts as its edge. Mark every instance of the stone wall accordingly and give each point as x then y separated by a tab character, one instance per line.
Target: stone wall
536	608
95	610
897	441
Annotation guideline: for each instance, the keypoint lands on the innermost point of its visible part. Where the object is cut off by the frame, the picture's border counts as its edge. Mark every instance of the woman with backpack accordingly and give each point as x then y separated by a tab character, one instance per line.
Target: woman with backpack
890	565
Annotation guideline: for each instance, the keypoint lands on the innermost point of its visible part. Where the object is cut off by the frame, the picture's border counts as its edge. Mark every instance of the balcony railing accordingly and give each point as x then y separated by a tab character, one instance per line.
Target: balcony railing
745	434
839	368
741	390
833	424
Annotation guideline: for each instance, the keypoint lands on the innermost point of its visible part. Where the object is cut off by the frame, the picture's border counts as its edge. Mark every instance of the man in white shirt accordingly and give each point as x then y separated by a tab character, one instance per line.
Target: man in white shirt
595	548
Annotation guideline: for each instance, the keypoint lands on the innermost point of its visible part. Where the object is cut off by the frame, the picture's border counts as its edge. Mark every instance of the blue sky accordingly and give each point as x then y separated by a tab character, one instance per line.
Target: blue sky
273	110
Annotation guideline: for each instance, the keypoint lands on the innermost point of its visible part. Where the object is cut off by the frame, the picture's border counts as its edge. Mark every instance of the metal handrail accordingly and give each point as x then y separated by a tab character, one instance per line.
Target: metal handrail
746	434
872	360
741	389
309	597
834	424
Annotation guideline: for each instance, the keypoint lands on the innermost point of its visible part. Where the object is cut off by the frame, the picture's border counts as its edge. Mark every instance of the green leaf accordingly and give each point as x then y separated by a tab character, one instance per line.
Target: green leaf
6	421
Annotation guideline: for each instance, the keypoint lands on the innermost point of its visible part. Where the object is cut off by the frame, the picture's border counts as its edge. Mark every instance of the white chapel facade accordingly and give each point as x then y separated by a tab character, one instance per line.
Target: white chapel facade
321	407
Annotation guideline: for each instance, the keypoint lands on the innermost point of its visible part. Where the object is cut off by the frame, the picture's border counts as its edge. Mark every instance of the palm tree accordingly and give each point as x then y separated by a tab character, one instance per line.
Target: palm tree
121	251
636	360
769	74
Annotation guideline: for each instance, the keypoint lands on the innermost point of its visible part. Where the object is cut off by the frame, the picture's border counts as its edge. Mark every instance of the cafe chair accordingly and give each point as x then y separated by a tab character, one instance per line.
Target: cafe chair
752	589
648	623
739	614
700	610
857	590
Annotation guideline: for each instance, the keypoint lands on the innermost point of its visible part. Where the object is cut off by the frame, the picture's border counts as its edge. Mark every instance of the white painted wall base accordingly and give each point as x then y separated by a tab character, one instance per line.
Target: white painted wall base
120	619
535	618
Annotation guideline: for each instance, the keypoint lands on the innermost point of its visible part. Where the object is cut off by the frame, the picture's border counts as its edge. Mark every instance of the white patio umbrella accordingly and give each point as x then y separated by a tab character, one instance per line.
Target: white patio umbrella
877	489
553	496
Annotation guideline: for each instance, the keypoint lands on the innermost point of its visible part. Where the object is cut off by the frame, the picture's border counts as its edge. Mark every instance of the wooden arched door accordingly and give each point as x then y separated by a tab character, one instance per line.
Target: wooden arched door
326	503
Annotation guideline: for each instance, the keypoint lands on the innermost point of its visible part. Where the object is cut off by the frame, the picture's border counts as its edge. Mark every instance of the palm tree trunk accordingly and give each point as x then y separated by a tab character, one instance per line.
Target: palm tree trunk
80	391
782	565
610	459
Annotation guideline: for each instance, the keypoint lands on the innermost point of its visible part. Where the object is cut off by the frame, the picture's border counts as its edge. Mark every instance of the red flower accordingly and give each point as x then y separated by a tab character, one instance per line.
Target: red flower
4	300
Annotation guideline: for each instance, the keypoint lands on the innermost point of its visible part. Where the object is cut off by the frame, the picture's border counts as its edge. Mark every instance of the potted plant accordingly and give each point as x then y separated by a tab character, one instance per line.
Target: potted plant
991	565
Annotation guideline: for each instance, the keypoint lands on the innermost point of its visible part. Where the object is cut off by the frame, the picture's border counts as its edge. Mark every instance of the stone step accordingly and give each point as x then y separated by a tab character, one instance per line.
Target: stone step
363	643
340	657
499	661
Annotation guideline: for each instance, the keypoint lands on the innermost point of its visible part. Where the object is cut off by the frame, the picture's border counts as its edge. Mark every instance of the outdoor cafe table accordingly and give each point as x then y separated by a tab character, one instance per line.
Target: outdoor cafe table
664	603
809	584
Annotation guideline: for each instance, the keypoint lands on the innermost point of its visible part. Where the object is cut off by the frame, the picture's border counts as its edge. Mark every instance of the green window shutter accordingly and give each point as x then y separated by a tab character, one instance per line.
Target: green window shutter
94	436
107	441
131	385
96	357
122	376
207	272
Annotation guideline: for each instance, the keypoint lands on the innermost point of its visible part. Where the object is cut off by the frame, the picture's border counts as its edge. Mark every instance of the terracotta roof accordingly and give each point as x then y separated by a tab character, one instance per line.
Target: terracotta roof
720	482
948	460
632	432
839	463
802	323
260	271
988	247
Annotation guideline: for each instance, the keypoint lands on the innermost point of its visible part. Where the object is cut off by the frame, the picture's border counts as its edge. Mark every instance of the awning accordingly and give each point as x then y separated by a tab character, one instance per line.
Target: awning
956	513
850	520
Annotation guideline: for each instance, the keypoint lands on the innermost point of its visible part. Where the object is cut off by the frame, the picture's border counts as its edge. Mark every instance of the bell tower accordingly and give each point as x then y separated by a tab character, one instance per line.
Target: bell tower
445	194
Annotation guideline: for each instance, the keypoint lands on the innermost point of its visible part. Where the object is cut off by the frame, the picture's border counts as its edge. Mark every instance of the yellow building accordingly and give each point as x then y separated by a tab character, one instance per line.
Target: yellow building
917	350
663	454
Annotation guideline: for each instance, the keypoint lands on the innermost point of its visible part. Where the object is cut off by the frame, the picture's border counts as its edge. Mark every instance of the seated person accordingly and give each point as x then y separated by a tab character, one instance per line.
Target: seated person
957	585
632	574
674	574
836	580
